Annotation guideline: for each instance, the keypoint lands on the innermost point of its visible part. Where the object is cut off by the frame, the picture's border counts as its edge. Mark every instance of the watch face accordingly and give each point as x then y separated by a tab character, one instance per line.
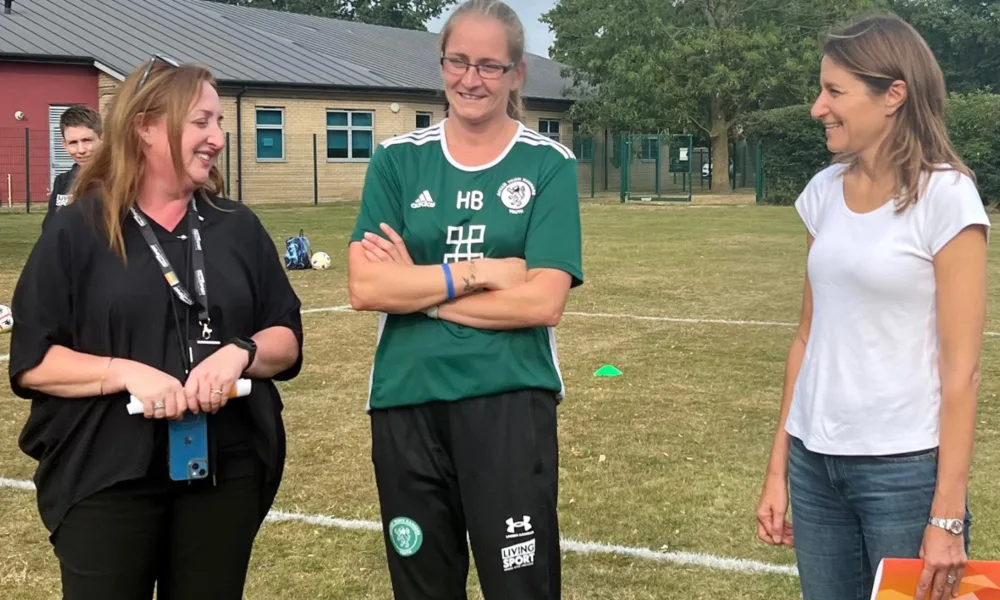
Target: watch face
956	527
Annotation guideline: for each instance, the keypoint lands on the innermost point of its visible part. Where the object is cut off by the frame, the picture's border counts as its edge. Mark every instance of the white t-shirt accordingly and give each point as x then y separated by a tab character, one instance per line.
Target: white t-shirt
869	381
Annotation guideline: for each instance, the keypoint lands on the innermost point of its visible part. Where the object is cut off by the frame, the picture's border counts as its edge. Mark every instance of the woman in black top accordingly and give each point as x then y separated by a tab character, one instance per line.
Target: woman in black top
112	304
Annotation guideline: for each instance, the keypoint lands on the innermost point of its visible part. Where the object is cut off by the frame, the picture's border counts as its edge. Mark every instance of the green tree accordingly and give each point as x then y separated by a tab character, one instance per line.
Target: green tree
690	65
964	35
404	14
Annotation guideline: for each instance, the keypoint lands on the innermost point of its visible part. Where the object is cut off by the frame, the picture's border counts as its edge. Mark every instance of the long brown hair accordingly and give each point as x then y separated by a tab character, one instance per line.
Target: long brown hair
881	49
114	175
494	9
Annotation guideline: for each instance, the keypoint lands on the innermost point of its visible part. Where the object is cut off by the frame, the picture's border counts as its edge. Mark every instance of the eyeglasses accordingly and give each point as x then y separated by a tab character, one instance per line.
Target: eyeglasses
459	66
149	68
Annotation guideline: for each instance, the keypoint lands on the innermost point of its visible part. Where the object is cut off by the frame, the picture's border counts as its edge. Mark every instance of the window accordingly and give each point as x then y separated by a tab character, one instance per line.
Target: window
350	134
424	120
650	148
583	146
59	159
270	134
549	128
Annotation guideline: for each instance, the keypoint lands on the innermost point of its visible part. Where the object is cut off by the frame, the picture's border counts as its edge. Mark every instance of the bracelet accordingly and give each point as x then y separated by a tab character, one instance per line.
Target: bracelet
433	312
448	281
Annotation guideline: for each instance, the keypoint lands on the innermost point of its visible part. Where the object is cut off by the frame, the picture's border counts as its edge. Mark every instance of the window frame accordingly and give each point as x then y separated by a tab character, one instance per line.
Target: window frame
548	134
269	127
424	113
350	129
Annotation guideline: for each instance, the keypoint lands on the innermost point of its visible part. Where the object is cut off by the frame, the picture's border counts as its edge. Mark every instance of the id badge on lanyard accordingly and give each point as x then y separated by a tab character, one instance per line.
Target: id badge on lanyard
188	444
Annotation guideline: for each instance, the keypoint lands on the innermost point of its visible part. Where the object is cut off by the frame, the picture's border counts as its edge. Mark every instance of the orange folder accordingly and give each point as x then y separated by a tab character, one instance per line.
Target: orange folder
896	579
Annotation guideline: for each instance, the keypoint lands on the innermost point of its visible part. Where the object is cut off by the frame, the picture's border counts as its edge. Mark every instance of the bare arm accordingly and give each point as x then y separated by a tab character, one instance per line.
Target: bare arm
960	272
69	374
777	466
66	373
277	350
539	301
405	288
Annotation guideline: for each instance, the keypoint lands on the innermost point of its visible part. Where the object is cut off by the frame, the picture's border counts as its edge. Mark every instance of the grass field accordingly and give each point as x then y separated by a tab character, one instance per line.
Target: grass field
669	457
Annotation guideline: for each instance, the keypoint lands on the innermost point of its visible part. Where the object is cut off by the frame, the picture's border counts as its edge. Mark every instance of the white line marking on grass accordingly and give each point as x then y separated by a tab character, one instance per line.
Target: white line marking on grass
279	516
4	357
347	308
344	308
717	563
17	484
679	319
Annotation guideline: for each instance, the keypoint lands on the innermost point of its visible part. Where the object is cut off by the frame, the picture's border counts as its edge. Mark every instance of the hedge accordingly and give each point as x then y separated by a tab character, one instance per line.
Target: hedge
974	126
794	145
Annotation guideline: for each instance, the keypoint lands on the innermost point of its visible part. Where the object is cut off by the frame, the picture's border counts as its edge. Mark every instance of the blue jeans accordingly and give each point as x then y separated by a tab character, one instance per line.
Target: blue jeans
848	512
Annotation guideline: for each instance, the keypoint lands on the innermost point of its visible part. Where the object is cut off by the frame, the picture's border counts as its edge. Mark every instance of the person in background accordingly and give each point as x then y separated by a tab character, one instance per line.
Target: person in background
81	137
150	285
468	241
878	416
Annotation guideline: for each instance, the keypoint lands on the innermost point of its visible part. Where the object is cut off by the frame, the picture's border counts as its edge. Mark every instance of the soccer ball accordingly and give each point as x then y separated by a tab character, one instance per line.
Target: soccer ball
320	260
6	319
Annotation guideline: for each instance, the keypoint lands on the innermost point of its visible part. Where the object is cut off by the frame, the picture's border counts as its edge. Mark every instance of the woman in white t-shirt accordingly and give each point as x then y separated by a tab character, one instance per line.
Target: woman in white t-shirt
878	416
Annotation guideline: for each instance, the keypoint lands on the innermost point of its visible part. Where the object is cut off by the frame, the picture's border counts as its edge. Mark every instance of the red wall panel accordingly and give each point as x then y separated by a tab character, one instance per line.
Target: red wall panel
31	88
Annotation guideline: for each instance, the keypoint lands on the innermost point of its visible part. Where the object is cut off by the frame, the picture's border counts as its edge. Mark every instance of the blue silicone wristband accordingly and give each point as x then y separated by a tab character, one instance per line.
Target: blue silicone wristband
448	280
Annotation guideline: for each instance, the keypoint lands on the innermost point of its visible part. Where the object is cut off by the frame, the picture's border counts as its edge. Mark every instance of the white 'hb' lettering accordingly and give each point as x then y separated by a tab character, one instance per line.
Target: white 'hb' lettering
473	200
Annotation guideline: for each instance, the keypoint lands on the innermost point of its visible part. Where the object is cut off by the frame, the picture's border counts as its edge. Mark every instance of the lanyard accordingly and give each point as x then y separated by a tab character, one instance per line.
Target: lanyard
197	258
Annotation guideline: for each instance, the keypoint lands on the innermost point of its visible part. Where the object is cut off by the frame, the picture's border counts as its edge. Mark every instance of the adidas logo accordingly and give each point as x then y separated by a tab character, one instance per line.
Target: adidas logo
424	201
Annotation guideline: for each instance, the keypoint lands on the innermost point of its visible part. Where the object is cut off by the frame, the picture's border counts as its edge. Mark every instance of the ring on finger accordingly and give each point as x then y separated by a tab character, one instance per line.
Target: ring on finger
216	392
951	578
159	406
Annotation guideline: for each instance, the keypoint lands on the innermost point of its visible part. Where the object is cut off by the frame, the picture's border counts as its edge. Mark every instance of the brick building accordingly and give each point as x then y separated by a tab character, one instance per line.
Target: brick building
306	99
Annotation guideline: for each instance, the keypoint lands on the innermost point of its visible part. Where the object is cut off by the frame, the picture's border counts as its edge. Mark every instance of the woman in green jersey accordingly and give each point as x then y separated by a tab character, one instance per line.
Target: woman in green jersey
467	243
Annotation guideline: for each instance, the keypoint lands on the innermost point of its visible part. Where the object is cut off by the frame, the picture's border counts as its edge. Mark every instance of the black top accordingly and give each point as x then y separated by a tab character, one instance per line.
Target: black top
60	196
74	291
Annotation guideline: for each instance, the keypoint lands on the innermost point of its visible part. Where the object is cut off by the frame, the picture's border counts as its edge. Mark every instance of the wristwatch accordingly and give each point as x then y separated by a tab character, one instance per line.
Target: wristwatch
952	526
246	343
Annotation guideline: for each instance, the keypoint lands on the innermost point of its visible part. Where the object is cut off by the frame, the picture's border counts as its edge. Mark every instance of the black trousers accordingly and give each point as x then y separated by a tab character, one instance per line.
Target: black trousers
192	541
486	467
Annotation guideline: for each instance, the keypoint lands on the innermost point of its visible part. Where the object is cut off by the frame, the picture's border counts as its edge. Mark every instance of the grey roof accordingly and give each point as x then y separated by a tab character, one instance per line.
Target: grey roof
241	45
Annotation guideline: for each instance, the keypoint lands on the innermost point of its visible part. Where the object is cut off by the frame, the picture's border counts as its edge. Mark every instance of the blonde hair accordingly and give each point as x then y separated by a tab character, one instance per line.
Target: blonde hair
494	9
116	171
881	49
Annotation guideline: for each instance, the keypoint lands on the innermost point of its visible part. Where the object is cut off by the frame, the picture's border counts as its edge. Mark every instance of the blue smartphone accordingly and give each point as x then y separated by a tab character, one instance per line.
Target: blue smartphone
188	447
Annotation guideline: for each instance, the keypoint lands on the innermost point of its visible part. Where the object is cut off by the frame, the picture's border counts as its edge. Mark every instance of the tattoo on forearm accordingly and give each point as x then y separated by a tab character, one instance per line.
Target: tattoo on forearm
470	279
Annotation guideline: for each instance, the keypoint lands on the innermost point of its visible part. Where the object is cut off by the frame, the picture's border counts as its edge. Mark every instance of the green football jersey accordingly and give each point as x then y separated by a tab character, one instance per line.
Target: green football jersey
525	204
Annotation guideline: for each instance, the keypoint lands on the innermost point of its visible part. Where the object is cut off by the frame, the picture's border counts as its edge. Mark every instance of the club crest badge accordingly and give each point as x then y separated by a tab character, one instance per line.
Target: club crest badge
516	194
405	535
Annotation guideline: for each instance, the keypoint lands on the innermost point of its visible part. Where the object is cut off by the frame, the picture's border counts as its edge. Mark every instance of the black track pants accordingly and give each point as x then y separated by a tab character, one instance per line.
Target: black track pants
487	466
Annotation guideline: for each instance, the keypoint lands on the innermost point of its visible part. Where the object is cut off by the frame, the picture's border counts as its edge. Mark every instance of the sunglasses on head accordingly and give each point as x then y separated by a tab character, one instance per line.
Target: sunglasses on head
149	68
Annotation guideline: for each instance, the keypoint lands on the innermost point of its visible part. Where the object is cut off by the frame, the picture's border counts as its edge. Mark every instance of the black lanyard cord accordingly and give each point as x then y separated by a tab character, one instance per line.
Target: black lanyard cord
182	346
197	260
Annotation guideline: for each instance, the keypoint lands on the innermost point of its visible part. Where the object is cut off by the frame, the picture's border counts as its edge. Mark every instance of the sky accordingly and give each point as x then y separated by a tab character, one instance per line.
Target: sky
537	36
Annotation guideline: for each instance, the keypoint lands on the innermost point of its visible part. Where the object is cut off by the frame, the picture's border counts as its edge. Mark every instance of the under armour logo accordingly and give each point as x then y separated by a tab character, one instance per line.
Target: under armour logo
524	524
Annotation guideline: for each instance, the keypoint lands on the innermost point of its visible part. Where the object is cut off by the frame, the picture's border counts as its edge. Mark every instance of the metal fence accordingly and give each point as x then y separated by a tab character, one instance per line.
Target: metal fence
25	174
293	168
663	166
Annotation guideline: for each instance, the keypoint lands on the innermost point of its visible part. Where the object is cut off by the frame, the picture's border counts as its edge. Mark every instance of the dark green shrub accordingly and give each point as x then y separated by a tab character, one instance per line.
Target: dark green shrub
794	149
794	145
974	127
